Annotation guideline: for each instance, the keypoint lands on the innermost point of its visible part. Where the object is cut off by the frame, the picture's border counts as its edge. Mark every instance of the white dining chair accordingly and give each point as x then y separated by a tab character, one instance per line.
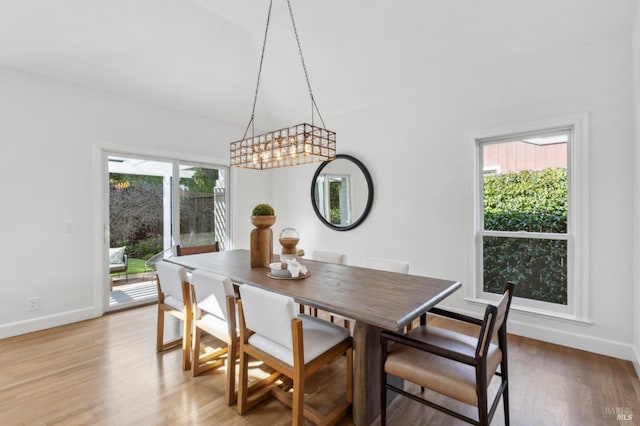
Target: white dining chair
214	307
329	257
294	345
388	265
174	299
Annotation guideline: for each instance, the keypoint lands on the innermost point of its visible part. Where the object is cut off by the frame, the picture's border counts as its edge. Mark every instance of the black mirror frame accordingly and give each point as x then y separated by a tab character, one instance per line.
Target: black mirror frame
367	208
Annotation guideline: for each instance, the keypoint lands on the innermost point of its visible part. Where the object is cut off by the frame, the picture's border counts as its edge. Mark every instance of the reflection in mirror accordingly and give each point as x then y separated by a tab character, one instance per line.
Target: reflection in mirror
342	192
333	198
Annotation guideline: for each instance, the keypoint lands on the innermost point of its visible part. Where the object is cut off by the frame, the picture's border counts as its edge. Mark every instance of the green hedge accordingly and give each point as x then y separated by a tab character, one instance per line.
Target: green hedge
532	201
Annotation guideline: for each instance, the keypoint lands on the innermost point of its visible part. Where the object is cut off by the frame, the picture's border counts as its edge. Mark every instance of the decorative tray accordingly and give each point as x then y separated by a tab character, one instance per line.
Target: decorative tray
299	277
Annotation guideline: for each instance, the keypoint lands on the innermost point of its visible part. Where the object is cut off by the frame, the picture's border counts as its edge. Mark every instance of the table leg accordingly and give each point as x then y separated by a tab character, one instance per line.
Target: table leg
366	374
366	383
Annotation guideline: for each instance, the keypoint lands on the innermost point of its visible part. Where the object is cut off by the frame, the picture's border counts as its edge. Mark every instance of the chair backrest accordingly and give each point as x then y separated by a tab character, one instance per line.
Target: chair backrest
171	277
210	291
206	248
495	317
387	265
268	314
328	256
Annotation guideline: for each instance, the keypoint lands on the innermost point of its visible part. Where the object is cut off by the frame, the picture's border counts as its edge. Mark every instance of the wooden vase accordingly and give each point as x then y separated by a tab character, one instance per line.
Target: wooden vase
262	241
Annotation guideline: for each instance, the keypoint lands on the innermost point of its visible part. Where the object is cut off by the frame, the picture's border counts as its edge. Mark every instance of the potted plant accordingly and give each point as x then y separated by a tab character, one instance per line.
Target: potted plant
263	216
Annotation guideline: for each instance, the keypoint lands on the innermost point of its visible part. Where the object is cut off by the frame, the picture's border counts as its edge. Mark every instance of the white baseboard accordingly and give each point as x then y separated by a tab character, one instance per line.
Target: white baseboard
567	338
571	339
636	360
41	323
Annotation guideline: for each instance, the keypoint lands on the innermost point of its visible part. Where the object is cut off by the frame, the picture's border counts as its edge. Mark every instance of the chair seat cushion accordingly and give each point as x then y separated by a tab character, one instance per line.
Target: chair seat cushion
214	326
174	302
319	336
442	375
117	267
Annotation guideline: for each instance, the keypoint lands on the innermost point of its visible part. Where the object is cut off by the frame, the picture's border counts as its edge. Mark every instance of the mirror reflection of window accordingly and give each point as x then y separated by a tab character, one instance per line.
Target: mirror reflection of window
320	197
333	198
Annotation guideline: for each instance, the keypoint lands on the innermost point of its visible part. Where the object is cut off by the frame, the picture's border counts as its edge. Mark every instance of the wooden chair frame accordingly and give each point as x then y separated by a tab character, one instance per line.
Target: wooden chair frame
297	373
479	362
216	359
186	316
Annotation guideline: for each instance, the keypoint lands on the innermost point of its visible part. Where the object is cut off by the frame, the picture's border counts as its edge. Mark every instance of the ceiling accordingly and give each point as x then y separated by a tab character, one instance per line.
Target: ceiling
201	56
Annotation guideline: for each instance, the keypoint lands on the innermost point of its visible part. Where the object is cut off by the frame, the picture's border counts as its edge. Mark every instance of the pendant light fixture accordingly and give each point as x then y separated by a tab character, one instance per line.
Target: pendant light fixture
298	144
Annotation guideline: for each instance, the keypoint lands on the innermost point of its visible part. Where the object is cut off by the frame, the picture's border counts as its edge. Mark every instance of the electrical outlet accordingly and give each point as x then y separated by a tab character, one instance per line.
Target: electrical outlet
33	304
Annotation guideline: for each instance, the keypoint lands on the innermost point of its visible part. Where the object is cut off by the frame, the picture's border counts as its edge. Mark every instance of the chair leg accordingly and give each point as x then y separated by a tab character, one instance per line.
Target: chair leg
243	379
483	414
186	344
297	415
195	363
231	373
349	374
160	331
504	373
505	404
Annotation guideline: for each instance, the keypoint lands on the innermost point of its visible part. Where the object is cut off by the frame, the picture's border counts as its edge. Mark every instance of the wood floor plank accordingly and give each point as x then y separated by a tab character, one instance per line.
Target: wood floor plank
106	372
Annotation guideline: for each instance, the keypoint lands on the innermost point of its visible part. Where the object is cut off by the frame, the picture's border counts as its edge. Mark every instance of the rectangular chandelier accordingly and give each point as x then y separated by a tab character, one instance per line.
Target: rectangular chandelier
291	146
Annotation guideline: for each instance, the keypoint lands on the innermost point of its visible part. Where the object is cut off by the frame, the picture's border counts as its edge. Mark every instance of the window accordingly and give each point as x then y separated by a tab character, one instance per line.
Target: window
527	220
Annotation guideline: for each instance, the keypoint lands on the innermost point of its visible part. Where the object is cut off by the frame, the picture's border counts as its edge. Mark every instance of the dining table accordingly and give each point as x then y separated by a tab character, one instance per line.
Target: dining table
376	300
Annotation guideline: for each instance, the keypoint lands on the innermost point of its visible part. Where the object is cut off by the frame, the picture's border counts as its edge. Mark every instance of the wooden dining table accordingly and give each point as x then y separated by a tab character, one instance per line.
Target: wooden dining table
376	300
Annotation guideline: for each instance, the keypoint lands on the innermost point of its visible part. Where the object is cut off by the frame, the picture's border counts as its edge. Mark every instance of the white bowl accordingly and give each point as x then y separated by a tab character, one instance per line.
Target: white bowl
276	270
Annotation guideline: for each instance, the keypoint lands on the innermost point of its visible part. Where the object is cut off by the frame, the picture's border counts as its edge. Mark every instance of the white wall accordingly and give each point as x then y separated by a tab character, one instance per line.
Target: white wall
50	135
251	187
636	192
416	147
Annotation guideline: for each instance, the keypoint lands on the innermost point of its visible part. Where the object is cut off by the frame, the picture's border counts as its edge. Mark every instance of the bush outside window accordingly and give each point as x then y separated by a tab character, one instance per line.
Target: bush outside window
525	213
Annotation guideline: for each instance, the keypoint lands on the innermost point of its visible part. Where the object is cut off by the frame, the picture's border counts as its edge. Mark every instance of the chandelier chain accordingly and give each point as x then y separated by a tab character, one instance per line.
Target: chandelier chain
255	96
314	106
304	66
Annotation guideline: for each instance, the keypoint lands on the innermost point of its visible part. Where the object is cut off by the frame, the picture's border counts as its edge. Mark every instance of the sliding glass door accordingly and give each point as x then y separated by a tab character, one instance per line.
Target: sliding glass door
155	204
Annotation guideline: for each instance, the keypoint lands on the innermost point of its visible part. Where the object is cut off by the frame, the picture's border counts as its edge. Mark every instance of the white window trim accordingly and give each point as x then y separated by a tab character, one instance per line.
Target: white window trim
578	162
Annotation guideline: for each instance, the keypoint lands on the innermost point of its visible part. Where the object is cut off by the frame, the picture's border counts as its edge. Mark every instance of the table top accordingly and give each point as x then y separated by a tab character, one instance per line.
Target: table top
387	300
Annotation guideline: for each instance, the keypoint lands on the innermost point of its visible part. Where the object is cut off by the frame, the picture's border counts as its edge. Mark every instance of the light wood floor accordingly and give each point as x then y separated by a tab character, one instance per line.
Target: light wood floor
106	372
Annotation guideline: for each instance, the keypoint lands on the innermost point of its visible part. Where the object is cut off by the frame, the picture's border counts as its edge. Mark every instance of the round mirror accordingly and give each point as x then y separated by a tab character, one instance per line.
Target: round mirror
342	192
